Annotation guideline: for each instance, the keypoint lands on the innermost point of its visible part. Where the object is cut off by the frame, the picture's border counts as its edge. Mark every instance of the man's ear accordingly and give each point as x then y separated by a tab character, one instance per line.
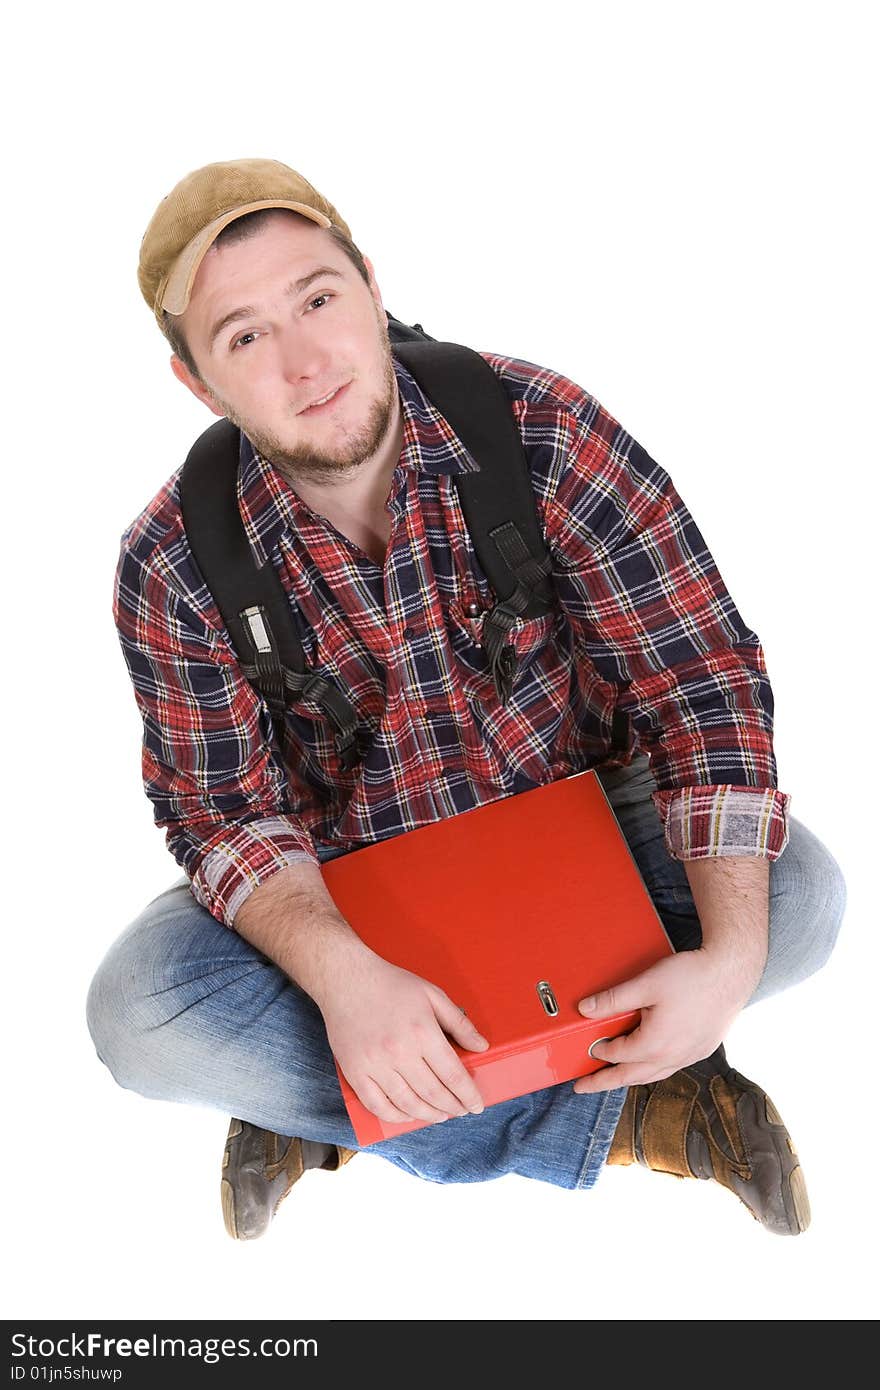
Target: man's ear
192	383
374	288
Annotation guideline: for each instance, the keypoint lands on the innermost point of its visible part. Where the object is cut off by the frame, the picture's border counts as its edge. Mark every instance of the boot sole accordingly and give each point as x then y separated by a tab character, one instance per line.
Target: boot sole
227	1200
793	1185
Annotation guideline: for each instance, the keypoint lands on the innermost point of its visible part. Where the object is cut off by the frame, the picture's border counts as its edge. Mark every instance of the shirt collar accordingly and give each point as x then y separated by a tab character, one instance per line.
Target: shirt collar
269	505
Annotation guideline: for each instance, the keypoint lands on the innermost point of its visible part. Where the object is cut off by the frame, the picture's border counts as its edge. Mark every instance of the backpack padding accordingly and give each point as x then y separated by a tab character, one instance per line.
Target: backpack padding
465	389
222	550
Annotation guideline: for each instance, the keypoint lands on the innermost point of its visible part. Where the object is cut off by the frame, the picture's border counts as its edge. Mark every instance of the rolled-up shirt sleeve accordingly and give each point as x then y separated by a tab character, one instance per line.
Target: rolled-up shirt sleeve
210	765
653	616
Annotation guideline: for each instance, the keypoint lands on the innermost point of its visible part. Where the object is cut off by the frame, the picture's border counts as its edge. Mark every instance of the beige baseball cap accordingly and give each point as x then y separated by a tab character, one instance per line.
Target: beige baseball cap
197	209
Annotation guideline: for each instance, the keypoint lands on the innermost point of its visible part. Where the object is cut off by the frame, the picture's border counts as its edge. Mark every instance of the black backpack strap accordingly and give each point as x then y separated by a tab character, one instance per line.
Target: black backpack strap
498	502
251	599
400	332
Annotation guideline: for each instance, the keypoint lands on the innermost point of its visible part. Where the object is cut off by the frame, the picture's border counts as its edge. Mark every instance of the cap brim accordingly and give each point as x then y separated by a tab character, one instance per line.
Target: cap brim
174	294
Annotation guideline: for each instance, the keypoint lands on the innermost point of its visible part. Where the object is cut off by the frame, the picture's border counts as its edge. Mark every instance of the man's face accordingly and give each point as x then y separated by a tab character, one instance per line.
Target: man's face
268	347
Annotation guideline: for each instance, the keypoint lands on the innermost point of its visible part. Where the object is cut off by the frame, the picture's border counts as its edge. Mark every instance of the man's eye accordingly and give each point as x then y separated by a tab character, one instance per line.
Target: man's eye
245	337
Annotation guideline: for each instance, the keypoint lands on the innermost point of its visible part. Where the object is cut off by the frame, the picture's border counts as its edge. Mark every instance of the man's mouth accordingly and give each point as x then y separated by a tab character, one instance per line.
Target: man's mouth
324	401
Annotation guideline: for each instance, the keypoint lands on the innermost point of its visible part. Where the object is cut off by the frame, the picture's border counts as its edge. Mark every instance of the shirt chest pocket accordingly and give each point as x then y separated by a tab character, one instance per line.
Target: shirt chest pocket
529	638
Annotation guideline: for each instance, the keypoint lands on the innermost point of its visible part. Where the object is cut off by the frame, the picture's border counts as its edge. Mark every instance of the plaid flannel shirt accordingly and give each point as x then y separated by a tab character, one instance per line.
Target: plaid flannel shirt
644	623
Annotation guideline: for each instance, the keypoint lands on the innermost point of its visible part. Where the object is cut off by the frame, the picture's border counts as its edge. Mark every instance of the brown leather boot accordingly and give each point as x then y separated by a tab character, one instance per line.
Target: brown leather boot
260	1168
708	1121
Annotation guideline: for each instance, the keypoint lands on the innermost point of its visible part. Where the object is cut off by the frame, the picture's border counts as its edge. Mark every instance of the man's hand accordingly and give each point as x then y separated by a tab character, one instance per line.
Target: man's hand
688	1002
386	1027
387	1030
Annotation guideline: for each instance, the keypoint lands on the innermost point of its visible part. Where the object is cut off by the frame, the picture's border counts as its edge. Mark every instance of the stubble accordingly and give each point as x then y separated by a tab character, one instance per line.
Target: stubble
309	462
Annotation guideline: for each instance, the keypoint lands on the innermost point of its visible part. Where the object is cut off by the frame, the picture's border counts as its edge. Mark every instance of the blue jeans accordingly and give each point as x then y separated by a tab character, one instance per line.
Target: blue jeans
182	1008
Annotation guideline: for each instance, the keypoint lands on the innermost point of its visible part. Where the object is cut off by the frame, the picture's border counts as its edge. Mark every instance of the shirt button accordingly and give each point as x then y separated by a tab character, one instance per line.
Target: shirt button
409	633
473	610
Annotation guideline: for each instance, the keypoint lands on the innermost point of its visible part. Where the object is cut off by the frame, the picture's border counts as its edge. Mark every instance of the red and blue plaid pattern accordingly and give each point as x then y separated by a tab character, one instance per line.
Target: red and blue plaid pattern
645	623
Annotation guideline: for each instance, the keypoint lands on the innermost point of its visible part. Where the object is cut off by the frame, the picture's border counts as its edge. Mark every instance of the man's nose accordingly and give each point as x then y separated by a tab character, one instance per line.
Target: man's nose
303	361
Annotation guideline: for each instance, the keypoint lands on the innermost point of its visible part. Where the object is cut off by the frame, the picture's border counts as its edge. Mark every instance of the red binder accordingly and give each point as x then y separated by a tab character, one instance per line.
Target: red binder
517	908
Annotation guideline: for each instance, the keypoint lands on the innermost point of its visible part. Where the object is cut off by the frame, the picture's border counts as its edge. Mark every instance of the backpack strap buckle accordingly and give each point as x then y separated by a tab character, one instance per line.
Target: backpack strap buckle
267	670
339	711
275	680
529	575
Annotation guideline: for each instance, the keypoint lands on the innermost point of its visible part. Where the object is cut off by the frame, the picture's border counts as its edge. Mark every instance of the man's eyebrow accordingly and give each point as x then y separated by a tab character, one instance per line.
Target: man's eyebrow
294	288
297	286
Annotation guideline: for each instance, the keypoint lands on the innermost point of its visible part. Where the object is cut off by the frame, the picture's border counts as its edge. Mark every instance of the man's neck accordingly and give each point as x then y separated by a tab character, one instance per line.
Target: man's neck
363	491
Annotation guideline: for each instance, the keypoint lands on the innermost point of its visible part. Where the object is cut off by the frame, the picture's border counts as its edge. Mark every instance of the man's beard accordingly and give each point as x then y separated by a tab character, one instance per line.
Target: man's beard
310	462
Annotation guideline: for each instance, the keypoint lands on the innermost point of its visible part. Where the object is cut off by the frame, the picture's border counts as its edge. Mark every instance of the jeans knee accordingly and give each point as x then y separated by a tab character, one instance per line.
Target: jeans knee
119	1017
823	914
105	1016
806	915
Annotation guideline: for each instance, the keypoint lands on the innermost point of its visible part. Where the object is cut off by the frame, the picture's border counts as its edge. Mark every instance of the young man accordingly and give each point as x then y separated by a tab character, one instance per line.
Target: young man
238	986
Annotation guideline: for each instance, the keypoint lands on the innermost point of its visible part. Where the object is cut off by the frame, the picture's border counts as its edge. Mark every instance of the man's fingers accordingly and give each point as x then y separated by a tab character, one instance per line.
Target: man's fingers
454	1021
393	1099
445	1062
374	1098
446	1065
608	1079
625	1048
632	994
419	1092
430	1088
611	1078
406	1092
628	1063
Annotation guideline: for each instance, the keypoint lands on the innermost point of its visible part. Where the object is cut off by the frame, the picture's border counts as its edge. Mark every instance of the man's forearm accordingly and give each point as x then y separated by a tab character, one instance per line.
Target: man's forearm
732	898
294	921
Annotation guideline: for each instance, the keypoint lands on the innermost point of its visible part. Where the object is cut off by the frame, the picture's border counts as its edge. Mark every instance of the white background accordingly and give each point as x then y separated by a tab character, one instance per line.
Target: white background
667	202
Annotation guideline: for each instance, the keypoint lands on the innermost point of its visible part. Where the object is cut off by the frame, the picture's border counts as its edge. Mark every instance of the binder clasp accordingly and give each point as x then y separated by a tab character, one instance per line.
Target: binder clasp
547	998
